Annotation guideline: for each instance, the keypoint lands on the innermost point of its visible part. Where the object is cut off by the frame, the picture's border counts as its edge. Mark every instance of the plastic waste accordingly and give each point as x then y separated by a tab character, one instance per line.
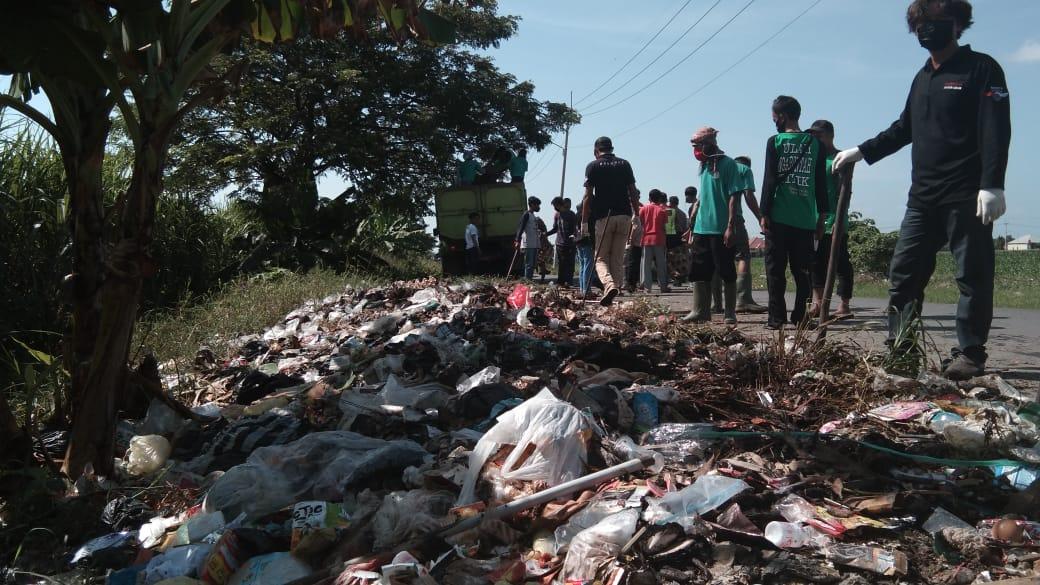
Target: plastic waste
705	494
679	442
318	466
795	508
424	296
625	449
523	318
403	515
489	375
549	444
126	513
265	405
421	397
147	454
592	514
198	527
179	581
181	561
208	410
383	326
1019	477
942	518
519	298
271	569
878	560
235	547
594	548
647	411
160	420
900	411
938	421
109	551
789	535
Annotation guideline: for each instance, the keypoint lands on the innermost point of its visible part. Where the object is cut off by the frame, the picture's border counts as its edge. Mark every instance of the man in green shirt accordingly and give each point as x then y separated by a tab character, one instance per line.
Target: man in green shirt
713	229
794	199
466	170
518	166
823	130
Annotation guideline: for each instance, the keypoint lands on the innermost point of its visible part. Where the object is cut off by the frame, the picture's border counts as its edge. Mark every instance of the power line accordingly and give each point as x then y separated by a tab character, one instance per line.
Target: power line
657	58
638	53
674	67
724	71
548	161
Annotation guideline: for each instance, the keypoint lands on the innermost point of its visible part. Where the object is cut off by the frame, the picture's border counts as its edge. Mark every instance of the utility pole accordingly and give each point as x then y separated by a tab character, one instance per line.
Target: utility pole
566	141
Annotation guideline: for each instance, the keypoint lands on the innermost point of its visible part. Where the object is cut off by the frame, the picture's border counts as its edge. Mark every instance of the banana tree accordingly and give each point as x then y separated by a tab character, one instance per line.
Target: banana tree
151	60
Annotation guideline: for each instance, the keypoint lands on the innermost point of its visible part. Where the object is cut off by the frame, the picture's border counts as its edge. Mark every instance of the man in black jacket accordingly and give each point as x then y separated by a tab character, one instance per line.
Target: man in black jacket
565	228
958	119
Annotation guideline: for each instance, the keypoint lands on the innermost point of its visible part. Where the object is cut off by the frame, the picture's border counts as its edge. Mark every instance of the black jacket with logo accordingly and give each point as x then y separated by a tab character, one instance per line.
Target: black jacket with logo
958	118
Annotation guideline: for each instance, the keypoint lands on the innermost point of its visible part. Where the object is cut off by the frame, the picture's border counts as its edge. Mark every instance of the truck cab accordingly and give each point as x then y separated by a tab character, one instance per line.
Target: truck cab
500	206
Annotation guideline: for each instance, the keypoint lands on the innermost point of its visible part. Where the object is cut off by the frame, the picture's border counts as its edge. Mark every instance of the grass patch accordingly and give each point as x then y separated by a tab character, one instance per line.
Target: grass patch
1016	286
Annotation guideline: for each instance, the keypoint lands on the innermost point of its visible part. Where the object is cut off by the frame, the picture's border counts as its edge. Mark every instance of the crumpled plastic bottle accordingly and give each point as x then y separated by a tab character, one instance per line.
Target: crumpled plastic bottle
147	454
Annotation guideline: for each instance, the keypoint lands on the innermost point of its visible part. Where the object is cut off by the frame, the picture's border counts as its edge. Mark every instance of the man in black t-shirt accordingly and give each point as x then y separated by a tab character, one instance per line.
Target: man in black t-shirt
611	201
958	119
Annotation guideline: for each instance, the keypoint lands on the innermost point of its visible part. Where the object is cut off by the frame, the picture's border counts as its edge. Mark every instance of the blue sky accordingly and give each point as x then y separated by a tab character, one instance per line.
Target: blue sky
850	61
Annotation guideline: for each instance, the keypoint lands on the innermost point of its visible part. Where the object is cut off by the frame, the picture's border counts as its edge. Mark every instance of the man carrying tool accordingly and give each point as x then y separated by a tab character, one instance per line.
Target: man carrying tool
794	199
528	238
565	227
712	240
958	119
823	130
611	201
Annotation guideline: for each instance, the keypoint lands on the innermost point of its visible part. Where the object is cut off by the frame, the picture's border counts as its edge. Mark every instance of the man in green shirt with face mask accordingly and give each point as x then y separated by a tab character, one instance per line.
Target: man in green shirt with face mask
794	201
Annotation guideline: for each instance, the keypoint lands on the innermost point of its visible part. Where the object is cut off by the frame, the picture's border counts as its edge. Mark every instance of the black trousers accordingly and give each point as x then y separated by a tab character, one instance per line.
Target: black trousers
787	245
473	261
843	271
633	265
923	233
708	254
565	264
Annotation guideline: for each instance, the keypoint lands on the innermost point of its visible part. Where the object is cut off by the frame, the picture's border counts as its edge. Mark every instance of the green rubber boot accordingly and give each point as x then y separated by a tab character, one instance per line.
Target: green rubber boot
701	312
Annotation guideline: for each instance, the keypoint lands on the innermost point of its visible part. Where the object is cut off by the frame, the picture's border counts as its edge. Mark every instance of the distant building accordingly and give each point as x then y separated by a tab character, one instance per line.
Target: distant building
1023	243
757	245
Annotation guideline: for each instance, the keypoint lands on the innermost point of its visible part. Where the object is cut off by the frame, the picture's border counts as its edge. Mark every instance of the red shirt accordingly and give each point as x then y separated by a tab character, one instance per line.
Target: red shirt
654	217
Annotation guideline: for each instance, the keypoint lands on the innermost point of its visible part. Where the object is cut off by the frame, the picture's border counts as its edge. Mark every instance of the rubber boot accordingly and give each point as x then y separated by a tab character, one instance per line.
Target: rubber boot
745	302
730	294
716	294
701	312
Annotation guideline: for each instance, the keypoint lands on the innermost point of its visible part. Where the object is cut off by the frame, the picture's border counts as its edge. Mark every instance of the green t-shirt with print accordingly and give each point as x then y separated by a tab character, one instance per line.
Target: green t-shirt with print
832	196
720	180
795	201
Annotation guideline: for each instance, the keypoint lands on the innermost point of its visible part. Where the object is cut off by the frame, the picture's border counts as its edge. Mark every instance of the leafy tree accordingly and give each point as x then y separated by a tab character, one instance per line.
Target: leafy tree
389	121
151	59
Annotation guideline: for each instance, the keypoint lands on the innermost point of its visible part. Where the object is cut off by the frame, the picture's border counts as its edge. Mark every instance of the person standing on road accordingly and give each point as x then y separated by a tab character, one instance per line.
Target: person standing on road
712	247
678	224
527	236
794	199
518	166
473	244
823	130
565	227
958	119
745	301
610	201
653	218
634	255
690	194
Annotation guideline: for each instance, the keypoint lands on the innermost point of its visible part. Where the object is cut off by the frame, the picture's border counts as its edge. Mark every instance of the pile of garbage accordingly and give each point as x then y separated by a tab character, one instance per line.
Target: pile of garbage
427	432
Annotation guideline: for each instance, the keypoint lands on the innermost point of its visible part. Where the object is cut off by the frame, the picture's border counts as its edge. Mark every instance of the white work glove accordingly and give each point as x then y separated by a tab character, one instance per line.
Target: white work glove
850	156
991	205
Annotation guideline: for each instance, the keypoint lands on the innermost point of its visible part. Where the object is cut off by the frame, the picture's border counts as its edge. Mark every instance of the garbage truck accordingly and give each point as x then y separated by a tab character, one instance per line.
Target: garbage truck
500	206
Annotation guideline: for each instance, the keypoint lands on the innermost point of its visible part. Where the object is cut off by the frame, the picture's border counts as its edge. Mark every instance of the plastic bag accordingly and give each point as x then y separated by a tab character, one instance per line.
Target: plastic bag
795	508
705	494
160	420
270	569
421	397
592	514
520	296
319	466
403	515
181	561
594	548
147	454
489	375
679	442
626	449
555	430
100	551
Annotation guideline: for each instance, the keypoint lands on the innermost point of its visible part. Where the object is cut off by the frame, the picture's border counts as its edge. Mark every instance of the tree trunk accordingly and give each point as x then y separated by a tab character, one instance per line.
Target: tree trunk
92	439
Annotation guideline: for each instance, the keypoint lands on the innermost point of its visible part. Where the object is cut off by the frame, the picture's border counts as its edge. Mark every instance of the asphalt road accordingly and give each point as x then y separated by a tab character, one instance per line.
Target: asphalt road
1014	347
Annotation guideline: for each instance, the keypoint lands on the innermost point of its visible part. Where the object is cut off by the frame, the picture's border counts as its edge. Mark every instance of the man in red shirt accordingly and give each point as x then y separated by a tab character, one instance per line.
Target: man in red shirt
654	217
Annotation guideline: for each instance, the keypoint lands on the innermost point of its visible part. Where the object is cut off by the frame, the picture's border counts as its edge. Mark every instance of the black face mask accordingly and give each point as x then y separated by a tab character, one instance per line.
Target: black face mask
935	35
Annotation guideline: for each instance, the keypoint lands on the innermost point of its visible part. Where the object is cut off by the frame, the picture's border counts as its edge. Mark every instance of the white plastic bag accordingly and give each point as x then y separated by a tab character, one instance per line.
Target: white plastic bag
270	569
180	561
594	548
489	375
555	430
147	454
705	494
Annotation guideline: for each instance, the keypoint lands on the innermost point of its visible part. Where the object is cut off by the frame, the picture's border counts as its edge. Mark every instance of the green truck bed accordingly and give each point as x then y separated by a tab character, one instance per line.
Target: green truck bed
500	206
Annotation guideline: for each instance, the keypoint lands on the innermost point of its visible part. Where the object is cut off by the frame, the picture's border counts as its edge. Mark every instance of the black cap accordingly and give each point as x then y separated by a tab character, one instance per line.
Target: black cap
604	143
822	126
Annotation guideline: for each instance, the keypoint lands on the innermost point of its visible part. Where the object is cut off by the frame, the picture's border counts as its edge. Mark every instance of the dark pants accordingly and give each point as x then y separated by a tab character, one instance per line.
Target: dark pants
565	264
530	262
923	233
633	264
473	260
787	245
843	270
708	254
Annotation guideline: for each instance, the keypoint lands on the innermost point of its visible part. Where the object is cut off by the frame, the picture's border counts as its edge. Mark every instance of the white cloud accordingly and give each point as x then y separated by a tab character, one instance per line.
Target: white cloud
1029	52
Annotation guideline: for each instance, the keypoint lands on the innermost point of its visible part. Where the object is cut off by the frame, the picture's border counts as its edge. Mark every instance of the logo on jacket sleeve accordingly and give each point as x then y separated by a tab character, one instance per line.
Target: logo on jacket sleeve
997	93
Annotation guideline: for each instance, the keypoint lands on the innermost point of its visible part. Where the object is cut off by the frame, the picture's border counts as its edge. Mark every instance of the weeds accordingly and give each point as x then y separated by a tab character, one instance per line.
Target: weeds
906	356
